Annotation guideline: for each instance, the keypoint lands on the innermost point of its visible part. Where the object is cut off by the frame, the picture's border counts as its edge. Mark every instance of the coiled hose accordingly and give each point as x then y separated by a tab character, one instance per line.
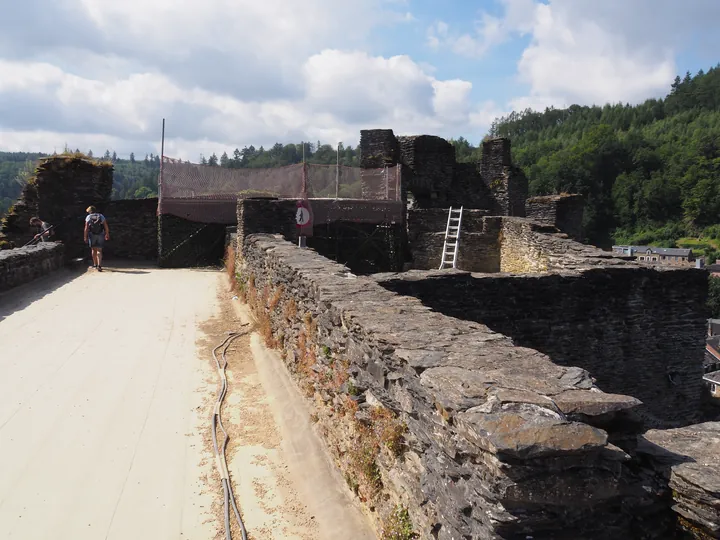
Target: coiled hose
220	459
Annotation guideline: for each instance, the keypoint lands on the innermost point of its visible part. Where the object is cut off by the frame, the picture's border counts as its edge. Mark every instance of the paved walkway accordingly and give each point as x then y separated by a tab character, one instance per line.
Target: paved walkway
101	394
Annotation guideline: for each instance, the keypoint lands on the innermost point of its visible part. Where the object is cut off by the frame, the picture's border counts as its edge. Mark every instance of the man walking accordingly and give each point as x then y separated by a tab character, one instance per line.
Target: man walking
96	233
44	231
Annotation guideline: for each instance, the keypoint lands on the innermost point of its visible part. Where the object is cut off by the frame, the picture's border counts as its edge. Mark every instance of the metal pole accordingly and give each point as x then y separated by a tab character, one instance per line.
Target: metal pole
337	172
160	194
162	160
387	180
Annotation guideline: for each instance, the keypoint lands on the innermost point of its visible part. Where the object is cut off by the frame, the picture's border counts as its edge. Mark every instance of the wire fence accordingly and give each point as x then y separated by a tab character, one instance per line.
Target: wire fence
209	194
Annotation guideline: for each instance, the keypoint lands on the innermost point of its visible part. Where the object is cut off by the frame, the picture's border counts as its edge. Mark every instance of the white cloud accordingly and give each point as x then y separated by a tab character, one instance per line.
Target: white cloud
223	72
340	93
229	73
587	51
489	30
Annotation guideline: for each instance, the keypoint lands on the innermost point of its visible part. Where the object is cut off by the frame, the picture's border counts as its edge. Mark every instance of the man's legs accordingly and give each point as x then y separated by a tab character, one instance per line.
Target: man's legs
93	251
99	258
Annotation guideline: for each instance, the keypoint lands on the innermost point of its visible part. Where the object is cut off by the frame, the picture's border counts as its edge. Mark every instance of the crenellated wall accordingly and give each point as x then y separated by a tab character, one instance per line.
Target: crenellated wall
477	437
432	178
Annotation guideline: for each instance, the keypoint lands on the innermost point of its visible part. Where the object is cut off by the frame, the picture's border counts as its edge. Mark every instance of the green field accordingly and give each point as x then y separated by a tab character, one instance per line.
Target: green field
702	246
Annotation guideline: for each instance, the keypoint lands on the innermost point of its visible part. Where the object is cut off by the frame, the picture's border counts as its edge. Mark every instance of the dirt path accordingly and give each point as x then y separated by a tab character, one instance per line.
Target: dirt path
106	390
285	485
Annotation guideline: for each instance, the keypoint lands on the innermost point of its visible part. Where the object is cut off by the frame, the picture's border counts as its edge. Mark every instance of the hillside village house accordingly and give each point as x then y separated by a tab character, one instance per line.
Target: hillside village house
711	362
657	255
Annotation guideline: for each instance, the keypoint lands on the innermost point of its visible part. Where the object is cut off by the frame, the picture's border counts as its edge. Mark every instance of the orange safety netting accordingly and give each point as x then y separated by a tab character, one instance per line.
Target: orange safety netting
209	194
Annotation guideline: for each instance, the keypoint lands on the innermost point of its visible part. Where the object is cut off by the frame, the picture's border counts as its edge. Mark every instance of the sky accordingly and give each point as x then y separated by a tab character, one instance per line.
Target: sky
102	74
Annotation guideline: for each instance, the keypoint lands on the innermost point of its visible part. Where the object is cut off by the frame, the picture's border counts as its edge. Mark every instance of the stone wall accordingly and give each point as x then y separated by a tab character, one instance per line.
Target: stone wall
364	247
685	464
133	229
431	162
431	177
500	244
479	249
562	211
637	330
477	437
22	265
508	185
62	188
271	216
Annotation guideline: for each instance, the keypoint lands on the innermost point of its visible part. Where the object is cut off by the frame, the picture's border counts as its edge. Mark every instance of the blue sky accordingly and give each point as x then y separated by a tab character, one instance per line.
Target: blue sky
225	74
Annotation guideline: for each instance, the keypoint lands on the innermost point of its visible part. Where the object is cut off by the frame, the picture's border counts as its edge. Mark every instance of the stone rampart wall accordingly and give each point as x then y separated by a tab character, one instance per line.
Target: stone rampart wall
25	264
133	229
477	437
432	178
365	247
479	249
562	211
637	330
500	244
62	188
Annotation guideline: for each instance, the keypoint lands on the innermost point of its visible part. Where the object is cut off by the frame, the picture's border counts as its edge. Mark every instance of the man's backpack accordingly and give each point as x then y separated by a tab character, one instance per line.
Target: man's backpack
95	224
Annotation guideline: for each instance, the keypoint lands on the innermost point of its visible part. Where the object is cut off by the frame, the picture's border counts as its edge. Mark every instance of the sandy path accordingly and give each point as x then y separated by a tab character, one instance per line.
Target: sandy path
101	407
285	484
106	389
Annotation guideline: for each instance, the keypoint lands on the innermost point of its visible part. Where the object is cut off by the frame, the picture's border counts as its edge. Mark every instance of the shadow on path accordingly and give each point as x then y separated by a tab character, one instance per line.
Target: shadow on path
20	297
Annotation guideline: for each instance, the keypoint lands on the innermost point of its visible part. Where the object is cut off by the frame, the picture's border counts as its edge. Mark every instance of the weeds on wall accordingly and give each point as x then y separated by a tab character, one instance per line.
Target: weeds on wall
230	269
373	433
398	526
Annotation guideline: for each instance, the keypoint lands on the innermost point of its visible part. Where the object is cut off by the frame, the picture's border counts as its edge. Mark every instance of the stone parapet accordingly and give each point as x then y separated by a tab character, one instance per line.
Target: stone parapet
25	264
477	437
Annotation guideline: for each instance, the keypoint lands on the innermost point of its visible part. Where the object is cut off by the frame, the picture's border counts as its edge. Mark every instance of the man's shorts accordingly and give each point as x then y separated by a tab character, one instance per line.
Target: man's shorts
96	240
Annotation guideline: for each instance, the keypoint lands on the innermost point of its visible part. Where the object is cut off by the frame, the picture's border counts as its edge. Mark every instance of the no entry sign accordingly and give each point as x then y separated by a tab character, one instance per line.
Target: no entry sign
303	218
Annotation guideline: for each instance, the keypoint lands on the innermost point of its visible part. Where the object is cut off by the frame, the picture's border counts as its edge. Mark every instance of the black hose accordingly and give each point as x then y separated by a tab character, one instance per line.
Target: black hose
227	438
220	458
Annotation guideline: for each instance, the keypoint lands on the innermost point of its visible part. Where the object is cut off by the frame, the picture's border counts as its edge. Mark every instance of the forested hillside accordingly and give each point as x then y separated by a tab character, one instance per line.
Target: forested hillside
15	169
650	173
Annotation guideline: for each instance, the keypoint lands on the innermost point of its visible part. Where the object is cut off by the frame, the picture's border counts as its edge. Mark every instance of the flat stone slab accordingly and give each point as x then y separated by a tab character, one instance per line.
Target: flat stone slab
692	454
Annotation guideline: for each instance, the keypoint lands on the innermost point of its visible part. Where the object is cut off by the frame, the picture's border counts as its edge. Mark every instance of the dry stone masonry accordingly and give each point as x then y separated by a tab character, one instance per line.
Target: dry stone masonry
688	463
432	178
563	211
133	229
62	188
22	265
499	441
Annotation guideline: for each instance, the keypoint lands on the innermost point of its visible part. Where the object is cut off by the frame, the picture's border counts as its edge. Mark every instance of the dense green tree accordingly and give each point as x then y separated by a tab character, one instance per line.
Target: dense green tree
650	171
714	297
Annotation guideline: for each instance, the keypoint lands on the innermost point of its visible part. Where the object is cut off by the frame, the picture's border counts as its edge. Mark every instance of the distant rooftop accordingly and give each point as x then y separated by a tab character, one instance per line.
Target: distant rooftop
672	252
713	377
